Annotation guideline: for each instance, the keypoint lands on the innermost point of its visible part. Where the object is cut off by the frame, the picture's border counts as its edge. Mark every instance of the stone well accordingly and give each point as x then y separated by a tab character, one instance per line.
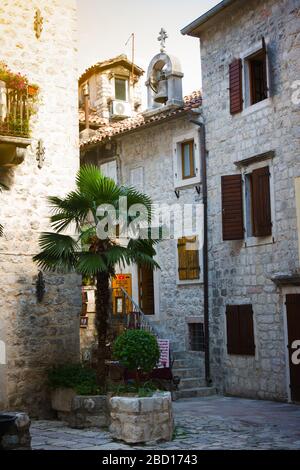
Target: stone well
16	435
80	411
138	420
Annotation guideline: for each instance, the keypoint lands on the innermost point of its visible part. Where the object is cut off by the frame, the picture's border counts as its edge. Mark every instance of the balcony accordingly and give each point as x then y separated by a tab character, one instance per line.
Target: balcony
17	104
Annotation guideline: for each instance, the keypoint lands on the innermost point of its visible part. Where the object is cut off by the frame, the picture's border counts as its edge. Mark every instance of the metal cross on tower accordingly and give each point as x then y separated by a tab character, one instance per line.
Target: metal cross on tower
162	39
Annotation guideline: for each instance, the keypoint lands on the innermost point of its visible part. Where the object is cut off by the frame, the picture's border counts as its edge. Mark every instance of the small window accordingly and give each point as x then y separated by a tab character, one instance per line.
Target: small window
188	160
257	65
258	203
188	259
120	89
240	330
196	337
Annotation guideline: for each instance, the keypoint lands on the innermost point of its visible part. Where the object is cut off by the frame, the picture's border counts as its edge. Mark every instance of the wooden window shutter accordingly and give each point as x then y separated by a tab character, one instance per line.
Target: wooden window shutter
232	207
188	261
232	326
261	202
235	86
246	331
240	331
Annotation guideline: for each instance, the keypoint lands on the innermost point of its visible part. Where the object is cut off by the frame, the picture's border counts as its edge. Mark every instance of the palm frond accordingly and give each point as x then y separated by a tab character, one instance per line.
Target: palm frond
89	264
93	184
74	208
58	252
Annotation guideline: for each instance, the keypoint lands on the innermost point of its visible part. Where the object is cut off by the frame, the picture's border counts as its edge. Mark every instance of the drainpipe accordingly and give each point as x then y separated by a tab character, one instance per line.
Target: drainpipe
203	155
86	94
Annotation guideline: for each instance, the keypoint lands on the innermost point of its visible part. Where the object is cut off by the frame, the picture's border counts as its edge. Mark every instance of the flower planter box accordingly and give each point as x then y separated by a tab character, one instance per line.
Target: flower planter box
80	411
139	420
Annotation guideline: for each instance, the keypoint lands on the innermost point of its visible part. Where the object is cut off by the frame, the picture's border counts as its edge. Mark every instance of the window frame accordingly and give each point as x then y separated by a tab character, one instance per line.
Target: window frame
249	238
192	324
183	282
191	145
246	88
124	79
178	140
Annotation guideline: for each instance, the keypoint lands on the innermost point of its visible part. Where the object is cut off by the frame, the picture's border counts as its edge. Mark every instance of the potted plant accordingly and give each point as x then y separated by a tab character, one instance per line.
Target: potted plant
76	397
139	414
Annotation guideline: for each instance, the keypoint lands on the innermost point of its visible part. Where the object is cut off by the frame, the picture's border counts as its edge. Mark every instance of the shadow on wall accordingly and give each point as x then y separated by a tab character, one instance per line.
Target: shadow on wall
41	335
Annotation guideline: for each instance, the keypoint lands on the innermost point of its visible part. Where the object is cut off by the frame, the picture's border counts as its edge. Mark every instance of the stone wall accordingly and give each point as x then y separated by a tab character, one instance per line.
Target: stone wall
240	274
38	335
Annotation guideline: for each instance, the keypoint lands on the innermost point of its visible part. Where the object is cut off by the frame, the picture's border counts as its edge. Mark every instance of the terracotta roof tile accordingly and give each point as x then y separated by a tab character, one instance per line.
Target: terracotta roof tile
112	129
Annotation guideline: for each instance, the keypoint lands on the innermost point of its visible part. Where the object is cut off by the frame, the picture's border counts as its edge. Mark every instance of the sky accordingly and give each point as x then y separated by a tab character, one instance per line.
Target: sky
105	26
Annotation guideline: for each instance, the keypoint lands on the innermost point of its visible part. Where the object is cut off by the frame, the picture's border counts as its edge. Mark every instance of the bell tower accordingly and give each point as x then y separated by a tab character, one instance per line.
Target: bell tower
164	79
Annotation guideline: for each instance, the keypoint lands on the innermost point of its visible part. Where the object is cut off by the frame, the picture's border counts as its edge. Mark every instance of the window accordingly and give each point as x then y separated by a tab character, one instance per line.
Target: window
240	330
188	259
121	89
257	69
109	169
196	337
248	78
258	205
188	160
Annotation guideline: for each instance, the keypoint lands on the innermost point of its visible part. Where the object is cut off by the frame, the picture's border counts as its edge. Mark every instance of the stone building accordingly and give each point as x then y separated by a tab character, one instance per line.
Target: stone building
158	152
41	44
250	53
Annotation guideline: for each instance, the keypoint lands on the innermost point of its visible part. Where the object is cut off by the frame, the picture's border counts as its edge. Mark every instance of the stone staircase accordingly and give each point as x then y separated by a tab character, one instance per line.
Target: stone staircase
191	372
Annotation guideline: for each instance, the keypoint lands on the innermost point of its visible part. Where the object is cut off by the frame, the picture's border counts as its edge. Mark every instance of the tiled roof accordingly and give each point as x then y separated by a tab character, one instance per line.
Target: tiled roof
107	64
94	119
121	127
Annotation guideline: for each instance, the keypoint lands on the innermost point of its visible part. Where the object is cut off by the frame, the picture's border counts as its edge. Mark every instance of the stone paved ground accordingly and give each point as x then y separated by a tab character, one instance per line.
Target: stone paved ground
201	423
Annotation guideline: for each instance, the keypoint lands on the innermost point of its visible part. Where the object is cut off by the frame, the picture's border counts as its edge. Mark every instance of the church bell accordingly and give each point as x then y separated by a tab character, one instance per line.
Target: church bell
162	91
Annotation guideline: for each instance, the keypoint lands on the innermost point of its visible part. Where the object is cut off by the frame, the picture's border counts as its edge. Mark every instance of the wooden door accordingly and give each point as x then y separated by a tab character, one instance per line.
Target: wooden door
146	291
293	323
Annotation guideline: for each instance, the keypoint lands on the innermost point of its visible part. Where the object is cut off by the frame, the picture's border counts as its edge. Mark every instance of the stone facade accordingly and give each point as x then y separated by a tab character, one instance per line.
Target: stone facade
37	335
241	271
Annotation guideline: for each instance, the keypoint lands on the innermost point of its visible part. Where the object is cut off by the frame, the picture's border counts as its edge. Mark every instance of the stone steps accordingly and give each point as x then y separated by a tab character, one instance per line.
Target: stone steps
191	383
195	392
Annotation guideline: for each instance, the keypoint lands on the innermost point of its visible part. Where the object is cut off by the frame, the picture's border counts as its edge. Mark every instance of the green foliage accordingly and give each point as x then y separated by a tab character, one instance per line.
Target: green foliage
87	254
145	390
137	350
79	378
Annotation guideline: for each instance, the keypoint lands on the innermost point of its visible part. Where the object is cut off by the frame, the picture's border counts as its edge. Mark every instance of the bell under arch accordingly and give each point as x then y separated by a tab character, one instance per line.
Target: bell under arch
164	82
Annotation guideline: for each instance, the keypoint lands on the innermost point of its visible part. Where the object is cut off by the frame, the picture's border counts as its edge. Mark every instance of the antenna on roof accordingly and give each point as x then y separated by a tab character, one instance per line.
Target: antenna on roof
132	38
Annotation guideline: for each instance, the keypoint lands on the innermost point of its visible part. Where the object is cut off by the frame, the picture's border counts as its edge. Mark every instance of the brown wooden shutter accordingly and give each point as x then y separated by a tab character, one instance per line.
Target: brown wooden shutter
232	326
188	261
246	331
261	202
240	331
232	207
146	290
235	86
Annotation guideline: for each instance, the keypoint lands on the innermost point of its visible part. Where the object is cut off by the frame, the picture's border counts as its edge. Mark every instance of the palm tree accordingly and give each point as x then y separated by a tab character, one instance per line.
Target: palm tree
86	253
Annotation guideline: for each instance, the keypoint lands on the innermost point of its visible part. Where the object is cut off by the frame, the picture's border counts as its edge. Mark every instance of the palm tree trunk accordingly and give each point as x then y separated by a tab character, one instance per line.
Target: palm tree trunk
101	321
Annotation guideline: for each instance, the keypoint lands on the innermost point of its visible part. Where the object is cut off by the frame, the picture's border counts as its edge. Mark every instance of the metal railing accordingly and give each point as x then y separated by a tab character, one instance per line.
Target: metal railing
131	314
15	110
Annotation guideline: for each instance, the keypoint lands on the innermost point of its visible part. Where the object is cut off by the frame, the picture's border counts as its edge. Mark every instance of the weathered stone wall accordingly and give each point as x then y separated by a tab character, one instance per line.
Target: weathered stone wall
152	149
240	274
38	335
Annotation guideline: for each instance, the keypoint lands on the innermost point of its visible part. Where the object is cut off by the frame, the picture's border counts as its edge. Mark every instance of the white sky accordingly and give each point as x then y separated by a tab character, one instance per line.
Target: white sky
105	26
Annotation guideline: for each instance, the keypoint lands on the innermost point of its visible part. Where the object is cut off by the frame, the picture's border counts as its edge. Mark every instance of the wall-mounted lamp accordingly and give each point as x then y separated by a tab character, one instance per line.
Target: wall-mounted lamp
40	153
198	189
40	287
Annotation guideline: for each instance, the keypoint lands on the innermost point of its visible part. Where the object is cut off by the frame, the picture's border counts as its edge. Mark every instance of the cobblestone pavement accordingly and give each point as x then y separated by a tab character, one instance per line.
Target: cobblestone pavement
201	423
